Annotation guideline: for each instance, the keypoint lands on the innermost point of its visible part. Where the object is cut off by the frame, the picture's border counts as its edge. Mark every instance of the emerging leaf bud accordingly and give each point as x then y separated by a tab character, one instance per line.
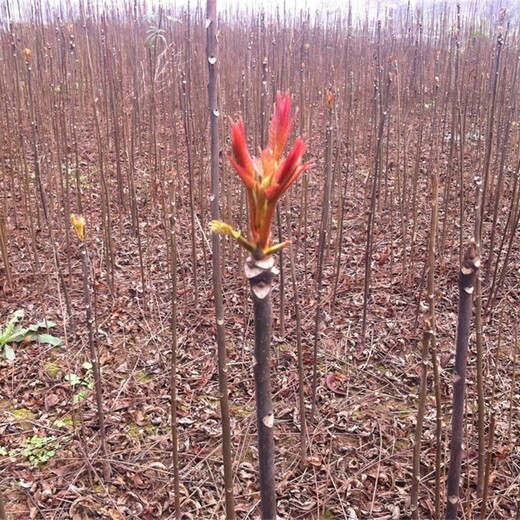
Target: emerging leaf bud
266	177
79	225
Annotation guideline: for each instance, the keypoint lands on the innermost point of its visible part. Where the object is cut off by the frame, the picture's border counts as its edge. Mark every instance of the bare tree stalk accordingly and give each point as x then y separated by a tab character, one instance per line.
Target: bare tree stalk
481	391
478	285
212	57
432	248
299	353
94	359
455	113
491	433
481	398
489	457
3	515
467	277
106	218
438	427
281	314
513	381
490	136
324	230
382	112
39	183
512	224
4	251
260	274
172	243
416	477
186	88
79	225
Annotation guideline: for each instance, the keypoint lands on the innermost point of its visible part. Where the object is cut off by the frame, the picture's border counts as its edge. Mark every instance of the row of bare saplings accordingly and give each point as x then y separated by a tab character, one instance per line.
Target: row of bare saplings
417	102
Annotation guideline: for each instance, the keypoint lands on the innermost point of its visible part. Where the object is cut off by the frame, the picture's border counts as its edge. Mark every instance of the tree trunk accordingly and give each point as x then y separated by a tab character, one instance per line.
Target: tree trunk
467	277
260	274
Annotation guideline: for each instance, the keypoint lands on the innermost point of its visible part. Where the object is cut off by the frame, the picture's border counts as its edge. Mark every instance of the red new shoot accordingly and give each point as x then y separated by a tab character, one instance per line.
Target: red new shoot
266	178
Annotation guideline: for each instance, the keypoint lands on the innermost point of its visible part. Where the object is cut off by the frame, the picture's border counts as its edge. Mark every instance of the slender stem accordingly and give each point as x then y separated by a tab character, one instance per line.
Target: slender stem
4	251
438	426
481	391
3	515
47	213
323	239
186	105
282	275
432	250
299	353
423	387
172	243
490	136
94	359
491	433
487	474
212	58
383	112
513	380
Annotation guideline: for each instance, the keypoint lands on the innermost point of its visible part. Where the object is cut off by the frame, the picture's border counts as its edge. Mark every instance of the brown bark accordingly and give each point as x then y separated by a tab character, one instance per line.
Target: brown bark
260	274
467	278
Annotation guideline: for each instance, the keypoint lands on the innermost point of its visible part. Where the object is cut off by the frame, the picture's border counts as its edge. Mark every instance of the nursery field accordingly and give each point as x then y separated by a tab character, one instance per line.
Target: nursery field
128	338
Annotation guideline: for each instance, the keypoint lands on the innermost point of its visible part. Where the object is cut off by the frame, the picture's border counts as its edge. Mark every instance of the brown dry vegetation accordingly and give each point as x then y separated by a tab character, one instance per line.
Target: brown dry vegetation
106	108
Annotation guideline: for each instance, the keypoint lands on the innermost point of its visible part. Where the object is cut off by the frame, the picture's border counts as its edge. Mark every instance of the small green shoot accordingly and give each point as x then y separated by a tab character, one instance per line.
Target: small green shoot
81	384
38	450
153	35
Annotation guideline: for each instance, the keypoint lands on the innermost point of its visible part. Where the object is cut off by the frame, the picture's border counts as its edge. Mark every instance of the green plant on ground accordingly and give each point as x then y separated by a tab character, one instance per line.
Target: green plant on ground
13	332
38	450
81	384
